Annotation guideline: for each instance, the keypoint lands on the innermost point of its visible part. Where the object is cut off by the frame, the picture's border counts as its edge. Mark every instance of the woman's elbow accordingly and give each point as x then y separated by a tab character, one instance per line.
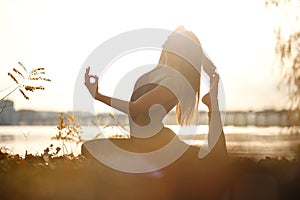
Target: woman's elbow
135	109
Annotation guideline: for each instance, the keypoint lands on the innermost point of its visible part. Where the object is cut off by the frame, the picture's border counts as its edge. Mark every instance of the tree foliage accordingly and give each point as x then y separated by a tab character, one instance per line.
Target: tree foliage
288	49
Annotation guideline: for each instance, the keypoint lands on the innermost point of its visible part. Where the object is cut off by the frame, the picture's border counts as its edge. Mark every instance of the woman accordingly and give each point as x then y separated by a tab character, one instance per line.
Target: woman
175	82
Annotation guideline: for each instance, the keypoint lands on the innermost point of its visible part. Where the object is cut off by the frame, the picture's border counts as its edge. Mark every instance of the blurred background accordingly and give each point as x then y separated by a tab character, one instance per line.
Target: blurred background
253	43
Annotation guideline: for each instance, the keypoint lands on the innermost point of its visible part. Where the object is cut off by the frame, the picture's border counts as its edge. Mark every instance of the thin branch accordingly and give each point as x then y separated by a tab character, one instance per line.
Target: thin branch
11	92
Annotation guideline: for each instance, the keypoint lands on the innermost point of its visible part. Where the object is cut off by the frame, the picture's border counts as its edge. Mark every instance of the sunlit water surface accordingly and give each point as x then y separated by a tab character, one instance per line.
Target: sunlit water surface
255	142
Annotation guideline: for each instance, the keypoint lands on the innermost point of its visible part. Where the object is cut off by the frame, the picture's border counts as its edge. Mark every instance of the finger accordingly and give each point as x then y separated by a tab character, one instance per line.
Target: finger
96	78
87	71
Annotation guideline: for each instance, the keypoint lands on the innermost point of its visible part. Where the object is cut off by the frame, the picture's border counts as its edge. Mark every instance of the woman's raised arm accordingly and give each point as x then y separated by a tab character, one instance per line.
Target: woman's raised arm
159	95
216	138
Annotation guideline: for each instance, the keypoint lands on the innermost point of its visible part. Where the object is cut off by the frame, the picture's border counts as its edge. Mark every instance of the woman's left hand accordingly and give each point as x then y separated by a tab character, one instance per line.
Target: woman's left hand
91	86
208	66
214	83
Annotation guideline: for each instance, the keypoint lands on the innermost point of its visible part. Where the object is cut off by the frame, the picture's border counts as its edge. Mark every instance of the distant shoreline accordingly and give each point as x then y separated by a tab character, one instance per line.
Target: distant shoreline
235	118
256	142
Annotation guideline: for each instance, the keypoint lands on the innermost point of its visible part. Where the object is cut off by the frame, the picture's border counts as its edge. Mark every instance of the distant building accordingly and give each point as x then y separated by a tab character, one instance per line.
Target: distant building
28	117
8	115
251	118
236	118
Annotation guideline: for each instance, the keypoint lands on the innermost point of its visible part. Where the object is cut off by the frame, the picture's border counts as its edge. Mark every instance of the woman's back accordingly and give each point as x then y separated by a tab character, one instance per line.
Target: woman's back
142	86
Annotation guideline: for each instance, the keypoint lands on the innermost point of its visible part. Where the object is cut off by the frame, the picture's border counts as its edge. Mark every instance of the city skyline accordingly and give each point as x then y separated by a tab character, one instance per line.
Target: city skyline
263	118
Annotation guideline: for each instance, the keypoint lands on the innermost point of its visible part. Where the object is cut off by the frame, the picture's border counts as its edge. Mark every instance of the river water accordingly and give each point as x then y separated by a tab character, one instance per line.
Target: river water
254	142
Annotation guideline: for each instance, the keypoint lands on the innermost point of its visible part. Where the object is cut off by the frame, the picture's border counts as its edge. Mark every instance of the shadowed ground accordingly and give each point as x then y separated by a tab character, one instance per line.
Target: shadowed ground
83	178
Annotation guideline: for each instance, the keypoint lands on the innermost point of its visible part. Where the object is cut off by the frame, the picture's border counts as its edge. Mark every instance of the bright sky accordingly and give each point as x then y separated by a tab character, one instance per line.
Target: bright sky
59	35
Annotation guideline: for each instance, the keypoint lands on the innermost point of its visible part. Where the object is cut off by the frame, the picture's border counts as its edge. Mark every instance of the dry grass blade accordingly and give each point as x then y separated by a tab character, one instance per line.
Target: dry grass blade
112	116
18	72
97	136
27	79
39	88
22	66
12	77
46	79
24	95
29	88
69	130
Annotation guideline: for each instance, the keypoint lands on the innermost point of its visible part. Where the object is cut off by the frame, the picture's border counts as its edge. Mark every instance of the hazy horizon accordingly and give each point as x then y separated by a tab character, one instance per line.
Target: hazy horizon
238	36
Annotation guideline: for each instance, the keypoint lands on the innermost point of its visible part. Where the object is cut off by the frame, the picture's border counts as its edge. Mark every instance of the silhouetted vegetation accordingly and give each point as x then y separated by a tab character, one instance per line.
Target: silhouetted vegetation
68	130
288	48
69	177
25	81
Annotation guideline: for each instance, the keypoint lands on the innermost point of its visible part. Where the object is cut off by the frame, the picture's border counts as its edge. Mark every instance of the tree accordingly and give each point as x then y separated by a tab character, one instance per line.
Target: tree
288	51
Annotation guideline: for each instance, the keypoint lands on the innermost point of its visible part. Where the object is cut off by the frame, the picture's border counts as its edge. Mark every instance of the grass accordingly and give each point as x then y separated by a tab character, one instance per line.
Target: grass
70	177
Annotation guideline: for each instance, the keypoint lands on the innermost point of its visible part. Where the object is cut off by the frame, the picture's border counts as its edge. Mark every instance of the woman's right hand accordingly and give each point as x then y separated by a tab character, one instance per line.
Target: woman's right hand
91	86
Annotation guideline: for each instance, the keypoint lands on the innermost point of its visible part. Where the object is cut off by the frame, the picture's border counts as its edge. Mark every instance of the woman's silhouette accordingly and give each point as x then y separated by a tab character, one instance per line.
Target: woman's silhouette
175	82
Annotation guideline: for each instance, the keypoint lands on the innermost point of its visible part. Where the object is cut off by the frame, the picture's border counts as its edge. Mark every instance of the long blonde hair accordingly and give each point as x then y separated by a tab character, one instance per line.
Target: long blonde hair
188	64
